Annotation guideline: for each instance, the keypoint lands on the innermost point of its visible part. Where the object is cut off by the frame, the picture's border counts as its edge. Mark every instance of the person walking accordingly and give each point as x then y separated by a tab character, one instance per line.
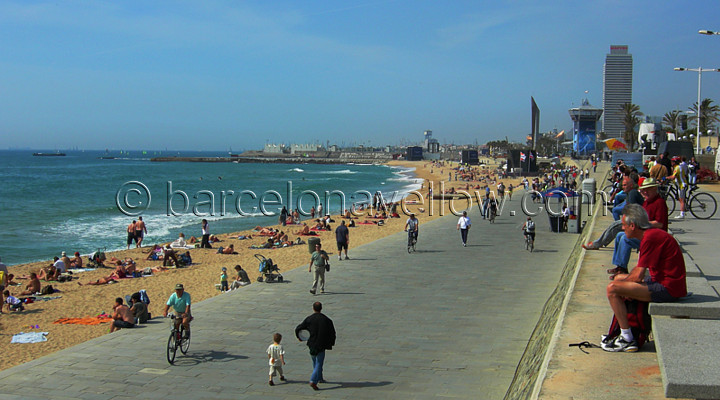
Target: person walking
322	337
464	226
205	244
140	231
283	216
130	234
319	260
342	236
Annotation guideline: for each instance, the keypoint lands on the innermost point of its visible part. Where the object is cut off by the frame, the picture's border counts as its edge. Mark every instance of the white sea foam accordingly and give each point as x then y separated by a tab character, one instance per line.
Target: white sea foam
342	171
296	170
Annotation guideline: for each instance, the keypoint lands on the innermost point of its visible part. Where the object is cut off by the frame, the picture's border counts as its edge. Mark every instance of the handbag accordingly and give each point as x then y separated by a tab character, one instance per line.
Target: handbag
327	266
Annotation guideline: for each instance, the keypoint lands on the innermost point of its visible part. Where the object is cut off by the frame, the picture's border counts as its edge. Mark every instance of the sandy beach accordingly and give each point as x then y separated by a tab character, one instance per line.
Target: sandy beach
200	278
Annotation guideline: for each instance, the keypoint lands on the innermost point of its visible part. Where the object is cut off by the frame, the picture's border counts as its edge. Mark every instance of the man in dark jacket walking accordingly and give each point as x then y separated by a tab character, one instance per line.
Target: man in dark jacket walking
322	337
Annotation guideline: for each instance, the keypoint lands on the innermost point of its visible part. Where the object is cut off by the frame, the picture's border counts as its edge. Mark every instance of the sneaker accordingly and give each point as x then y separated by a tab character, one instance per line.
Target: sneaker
679	217
346	257
464	245
339	258
620	344
282	378
590	246
314	386
312	291
271	383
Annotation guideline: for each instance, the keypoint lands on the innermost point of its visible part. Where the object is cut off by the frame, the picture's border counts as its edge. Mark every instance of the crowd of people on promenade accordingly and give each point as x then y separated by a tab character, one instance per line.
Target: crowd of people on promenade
640	223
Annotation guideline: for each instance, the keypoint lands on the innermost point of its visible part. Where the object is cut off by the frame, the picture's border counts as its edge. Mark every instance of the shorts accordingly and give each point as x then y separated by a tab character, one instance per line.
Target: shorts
342	245
131	237
658	292
276	370
118	323
139	234
531	234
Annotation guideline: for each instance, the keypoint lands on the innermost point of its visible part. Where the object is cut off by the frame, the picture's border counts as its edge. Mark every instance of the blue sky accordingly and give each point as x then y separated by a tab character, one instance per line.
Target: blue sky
210	75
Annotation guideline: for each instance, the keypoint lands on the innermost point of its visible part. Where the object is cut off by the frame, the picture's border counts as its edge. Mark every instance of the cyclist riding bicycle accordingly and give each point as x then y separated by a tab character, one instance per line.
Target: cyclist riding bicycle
528	229
411	226
180	302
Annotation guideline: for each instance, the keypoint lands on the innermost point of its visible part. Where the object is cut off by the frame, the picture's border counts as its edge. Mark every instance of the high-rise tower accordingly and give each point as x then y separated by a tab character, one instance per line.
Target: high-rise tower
617	89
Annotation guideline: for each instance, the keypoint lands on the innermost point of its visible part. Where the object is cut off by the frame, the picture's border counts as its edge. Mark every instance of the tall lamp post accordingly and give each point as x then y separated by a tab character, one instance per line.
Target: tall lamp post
699	70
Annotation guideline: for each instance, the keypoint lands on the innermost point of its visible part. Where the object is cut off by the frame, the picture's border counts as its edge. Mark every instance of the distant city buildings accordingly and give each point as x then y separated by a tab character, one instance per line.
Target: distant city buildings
617	89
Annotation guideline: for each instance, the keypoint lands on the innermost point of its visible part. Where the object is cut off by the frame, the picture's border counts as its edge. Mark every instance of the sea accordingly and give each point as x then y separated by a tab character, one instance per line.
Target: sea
84	202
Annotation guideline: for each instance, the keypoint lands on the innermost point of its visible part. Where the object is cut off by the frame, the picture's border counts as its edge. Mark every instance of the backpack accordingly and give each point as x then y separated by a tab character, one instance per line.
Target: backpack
144	297
639	319
47	290
530	226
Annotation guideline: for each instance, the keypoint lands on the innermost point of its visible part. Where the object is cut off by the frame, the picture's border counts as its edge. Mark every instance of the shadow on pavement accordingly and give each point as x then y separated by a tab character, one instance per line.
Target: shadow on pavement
198	357
345	385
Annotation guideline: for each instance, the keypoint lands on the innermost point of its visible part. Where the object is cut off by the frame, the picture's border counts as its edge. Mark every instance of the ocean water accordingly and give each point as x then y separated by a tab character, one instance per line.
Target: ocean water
83	203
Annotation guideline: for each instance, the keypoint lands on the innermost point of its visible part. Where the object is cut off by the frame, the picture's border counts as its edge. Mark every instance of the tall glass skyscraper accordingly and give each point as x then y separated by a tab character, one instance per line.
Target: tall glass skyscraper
617	89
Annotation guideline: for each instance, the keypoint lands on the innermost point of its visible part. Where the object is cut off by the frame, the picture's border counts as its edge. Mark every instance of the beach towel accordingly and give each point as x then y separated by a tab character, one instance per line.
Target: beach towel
78	270
85	321
367	223
309	234
29	337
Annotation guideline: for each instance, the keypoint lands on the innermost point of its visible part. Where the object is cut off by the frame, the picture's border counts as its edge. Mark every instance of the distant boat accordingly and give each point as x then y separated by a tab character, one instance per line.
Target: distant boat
56	154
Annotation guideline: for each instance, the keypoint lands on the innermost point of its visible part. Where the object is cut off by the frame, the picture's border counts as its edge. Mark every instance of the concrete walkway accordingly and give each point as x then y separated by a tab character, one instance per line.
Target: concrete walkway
446	321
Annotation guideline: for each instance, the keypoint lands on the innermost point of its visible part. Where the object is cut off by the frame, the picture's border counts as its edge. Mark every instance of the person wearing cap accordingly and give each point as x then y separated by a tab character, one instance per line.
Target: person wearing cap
77	261
180	302
654	205
662	259
680	176
65	259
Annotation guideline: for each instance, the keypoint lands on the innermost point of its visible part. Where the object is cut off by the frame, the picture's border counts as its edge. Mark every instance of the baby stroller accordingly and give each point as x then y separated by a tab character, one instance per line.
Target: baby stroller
270	272
96	259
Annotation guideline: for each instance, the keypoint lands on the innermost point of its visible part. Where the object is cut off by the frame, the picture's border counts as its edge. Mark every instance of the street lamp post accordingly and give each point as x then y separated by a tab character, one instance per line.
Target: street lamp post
699	70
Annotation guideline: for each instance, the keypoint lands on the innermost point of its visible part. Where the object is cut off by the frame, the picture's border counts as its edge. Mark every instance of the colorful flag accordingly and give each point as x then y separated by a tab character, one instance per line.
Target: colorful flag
522	157
531	155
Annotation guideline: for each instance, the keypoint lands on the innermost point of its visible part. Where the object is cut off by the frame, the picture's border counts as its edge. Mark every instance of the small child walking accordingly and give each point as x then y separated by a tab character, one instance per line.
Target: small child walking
224	280
276	354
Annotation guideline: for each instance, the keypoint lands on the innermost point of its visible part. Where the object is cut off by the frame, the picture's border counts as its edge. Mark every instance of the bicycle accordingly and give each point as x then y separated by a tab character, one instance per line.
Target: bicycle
529	243
412	240
177	339
702	205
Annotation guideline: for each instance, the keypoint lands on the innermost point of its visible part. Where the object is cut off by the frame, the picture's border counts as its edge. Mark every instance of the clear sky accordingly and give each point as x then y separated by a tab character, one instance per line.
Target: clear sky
211	74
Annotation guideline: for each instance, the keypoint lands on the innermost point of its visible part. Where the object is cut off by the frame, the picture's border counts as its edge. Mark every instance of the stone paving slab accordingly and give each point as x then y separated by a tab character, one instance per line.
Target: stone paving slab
444	322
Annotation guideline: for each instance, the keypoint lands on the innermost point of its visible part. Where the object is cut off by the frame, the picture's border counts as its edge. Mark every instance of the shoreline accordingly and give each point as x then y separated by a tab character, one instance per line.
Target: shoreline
199	279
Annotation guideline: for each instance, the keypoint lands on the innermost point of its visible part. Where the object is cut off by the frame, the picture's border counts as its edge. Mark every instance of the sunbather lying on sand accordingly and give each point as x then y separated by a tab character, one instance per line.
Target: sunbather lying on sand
119	273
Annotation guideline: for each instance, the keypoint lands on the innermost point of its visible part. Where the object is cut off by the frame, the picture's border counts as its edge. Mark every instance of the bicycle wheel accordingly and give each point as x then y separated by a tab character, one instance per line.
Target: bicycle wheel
184	341
171	348
670	201
413	245
702	205
532	245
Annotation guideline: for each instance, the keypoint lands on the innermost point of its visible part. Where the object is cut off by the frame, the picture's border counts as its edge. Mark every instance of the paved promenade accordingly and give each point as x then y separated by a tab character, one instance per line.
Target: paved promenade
445	322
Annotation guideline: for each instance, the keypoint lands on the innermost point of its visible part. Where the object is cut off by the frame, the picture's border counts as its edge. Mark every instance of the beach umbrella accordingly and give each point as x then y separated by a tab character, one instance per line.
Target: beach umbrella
614	144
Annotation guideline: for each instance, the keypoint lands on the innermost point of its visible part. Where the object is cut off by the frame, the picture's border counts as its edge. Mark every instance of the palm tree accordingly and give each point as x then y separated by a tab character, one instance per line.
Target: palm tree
708	114
671	120
631	113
